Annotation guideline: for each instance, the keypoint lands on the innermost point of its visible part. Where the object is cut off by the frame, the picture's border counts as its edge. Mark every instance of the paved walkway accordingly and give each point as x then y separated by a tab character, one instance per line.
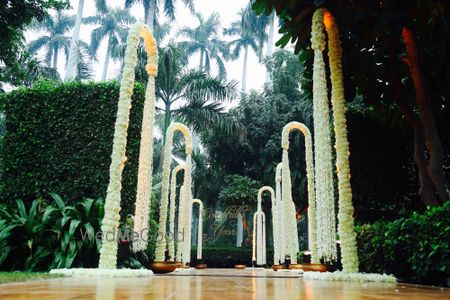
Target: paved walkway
215	284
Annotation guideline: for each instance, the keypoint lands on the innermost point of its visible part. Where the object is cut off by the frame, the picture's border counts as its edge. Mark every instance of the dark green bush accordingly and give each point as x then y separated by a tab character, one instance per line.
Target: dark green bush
414	249
227	257
59	139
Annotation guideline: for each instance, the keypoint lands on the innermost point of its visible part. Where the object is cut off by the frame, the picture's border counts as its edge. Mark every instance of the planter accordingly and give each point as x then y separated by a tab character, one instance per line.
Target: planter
163	267
309	267
201	266
277	267
240	267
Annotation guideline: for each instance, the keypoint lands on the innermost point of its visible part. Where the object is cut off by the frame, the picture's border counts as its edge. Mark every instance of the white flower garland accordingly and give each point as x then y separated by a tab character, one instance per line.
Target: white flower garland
110	223
326	216
180	226
290	227
187	213
200	227
356	277
261	227
144	184
346	226
278	224
172	206
161	243
103	273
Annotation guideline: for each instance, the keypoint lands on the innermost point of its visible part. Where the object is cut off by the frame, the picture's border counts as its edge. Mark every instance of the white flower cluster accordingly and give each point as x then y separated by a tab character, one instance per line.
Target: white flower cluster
200	227
326	216
162	243
105	273
172	206
343	276
187	210
110	223
261	226
290	224
278	228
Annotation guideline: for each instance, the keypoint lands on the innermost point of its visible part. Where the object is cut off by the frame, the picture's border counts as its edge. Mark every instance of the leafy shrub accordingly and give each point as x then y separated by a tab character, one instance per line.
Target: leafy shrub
414	249
46	237
59	139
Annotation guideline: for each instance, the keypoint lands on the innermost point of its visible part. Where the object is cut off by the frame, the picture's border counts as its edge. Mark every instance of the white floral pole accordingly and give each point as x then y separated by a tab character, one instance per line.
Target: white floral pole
200	228
278	223
110	224
326	216
290	226
187	211
172	206
261	235
346	230
180	226
161	243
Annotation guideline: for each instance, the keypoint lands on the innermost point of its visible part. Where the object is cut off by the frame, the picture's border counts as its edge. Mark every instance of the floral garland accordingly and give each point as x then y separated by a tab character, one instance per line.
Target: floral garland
356	277
187	213
172	205
278	239
181	203
110	223
326	216
200	228
262	227
346	226
162	243
144	184
290	226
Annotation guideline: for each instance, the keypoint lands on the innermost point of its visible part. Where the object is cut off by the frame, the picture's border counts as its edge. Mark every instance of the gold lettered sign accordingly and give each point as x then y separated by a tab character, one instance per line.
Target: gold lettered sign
225	222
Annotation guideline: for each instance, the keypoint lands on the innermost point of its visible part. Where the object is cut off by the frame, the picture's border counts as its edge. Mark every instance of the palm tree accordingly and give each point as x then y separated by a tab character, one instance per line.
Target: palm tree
73	53
151	8
204	39
191	96
247	36
55	39
112	25
82	59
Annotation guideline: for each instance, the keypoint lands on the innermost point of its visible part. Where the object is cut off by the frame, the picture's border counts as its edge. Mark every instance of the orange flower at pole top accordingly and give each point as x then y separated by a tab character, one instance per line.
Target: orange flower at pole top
328	19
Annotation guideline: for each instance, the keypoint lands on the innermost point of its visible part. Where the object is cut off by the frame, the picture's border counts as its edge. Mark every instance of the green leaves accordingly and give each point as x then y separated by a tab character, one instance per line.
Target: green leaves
414	249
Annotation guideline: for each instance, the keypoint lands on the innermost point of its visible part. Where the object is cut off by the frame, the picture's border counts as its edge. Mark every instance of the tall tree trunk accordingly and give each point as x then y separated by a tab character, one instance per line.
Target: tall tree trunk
270	44
426	191
244	70
72	61
55	58
150	15
432	140
108	55
201	59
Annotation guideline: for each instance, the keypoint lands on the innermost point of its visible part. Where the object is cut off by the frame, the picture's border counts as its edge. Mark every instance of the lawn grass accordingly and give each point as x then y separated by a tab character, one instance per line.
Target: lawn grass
6	277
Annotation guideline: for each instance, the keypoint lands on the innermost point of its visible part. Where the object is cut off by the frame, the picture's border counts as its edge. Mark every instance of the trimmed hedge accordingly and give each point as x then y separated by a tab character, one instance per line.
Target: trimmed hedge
414	249
227	257
59	139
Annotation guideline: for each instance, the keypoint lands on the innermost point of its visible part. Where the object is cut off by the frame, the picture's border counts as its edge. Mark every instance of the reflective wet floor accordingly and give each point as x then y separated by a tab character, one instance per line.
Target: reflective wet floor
215	284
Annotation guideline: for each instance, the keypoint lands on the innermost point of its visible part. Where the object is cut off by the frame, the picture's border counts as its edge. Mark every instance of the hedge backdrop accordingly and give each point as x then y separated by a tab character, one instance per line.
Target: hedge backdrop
59	139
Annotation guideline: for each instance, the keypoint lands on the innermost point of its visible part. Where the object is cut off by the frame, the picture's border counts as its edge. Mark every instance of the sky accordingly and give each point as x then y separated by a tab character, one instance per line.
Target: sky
227	11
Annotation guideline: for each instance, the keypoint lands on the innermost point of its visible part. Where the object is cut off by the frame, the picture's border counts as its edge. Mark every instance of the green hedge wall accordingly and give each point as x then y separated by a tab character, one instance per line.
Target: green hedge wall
59	139
414	249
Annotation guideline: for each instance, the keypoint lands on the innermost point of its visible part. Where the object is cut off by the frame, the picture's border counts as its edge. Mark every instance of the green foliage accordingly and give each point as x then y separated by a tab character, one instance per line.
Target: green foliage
59	139
50	236
414	249
238	190
14	16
